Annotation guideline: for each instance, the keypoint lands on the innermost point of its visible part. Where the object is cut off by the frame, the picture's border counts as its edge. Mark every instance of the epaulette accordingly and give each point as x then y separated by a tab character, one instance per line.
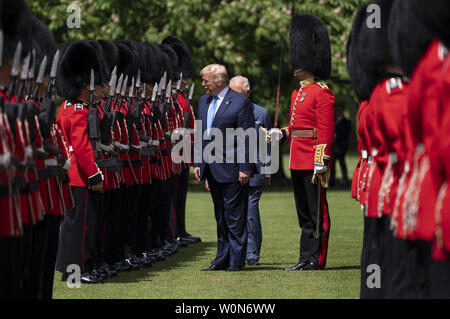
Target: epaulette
322	85
394	83
80	105
442	51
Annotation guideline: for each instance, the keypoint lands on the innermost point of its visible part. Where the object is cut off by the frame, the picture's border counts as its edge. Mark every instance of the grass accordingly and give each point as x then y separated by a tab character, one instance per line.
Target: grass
179	276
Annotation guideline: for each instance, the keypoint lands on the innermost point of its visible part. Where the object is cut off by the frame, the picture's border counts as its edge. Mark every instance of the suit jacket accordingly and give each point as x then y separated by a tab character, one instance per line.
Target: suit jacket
261	115
234	112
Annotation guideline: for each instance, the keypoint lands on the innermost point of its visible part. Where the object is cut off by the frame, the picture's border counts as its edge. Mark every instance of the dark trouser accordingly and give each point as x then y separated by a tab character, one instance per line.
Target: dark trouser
343	166
51	249
254	230
78	240
169	208
157	213
111	235
230	209
141	221
179	203
376	258
306	201
440	280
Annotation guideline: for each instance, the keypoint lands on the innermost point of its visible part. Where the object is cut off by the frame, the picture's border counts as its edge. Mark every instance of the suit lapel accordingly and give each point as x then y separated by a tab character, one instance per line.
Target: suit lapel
223	107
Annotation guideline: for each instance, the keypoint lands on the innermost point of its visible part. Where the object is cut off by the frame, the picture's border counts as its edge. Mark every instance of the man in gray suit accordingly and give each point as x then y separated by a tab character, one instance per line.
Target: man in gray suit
258	181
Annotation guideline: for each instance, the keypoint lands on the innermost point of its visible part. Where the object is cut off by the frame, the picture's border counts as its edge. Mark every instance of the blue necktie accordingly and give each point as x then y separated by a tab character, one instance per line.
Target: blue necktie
211	113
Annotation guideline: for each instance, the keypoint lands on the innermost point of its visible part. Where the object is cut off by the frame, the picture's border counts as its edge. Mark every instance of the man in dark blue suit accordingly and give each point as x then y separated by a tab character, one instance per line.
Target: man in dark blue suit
258	181
221	108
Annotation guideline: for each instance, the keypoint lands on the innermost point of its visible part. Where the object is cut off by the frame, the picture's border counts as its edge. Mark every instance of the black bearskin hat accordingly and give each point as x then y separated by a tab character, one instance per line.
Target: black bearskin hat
435	15
171	62
43	43
127	60
408	38
373	43
183	53
362	83
111	54
105	73
16	26
74	71
156	62
310	45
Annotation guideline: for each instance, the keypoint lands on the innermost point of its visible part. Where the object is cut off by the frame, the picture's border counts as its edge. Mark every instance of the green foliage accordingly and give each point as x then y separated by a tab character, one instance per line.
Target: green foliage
245	35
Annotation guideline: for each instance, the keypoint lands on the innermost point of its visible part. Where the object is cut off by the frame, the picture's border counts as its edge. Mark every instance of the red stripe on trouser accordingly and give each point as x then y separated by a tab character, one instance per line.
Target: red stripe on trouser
326	230
84	228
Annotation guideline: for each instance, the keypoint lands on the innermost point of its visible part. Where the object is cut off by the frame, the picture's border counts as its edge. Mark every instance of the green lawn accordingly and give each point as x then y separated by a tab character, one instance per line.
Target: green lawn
179	276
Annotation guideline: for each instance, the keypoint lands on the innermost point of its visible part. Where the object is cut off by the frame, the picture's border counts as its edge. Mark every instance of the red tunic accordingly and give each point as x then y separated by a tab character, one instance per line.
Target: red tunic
72	120
312	107
440	165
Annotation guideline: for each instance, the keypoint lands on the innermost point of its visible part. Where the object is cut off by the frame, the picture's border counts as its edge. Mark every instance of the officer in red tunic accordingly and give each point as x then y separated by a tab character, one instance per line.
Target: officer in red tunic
310	134
78	244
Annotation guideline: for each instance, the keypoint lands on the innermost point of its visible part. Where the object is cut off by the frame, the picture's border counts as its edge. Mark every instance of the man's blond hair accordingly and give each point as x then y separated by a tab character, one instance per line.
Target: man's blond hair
219	72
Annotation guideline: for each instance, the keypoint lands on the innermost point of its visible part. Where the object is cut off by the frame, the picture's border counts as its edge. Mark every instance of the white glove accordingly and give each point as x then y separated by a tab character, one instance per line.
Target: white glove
276	133
319	168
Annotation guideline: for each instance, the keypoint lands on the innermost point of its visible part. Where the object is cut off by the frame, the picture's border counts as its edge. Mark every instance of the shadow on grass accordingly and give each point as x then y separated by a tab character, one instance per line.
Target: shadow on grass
281	267
178	260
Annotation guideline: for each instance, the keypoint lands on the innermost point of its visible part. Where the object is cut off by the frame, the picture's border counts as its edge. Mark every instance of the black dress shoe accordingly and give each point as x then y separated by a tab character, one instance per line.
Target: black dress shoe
299	266
234	268
90	278
252	262
215	267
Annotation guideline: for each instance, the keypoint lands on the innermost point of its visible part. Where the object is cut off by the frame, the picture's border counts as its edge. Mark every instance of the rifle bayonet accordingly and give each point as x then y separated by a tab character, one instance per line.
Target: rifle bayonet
155	89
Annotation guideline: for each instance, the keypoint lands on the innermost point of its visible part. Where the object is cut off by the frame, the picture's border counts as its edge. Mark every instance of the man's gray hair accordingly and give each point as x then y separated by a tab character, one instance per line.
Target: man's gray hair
242	80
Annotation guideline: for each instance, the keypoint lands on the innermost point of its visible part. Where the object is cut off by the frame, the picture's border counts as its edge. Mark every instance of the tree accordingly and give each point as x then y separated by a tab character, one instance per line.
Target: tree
244	35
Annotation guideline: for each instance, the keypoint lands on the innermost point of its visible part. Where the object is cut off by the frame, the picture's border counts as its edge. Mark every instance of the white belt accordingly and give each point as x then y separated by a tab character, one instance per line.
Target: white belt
364	154
50	162
393	158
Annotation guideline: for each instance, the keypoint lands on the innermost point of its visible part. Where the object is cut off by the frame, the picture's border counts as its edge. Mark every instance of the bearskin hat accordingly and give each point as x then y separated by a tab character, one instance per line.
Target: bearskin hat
171	62
105	72
373	43
310	45
74	70
127	60
43	43
16	26
408	38
435	15
183	53
156	62
362	83
111	54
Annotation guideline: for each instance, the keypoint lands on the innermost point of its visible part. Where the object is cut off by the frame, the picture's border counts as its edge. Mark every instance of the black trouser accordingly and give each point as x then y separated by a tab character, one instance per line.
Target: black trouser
440	280
156	215
111	236
179	203
377	252
306	201
78	238
49	260
141	221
